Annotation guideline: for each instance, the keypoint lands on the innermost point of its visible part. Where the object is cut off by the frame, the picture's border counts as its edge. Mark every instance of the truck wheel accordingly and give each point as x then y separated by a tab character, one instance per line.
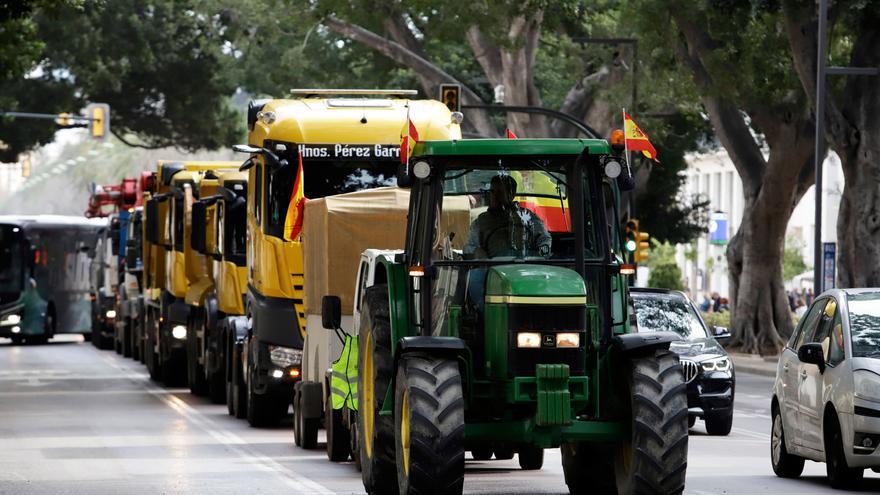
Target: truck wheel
153	363
588	468
261	408
375	432
483	453
429	426
307	428
785	465
195	373
126	338
338	441
239	388
355	446
217	386
654	457
840	475
531	458
719	424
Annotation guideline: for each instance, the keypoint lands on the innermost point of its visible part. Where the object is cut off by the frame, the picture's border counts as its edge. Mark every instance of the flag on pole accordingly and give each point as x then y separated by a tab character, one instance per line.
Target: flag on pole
293	222
409	136
636	139
511	135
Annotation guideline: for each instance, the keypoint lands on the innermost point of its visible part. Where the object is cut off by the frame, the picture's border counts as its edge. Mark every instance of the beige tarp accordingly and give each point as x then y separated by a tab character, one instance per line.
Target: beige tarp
337	229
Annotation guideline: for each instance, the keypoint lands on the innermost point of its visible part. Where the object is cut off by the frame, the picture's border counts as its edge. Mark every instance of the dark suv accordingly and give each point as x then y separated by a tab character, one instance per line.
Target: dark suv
707	368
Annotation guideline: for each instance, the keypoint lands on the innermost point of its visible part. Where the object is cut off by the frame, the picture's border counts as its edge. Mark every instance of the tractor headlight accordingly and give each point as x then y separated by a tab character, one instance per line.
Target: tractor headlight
10	320
528	340
568	339
867	385
284	356
716	364
178	332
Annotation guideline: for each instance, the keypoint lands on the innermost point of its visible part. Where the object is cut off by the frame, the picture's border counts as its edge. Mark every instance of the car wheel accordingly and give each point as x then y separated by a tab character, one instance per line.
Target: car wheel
719	424
785	465
840	475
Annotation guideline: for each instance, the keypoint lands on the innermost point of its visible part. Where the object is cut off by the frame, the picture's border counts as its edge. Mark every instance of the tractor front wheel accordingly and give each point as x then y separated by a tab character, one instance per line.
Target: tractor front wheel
531	458
429	426
653	459
588	468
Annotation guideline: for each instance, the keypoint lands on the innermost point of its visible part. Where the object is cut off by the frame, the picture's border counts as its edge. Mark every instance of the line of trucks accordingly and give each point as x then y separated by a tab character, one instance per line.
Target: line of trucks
470	296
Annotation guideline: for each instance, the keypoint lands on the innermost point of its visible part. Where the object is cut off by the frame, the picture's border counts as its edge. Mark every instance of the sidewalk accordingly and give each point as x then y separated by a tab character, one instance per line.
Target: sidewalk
752	363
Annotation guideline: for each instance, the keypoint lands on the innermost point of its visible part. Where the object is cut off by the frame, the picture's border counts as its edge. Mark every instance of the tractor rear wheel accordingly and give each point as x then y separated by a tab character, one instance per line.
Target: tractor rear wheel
482	453
338	441
375	432
429	426
653	459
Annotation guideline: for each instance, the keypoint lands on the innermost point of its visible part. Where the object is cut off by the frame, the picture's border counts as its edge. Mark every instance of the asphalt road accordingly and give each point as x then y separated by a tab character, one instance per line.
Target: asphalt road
77	420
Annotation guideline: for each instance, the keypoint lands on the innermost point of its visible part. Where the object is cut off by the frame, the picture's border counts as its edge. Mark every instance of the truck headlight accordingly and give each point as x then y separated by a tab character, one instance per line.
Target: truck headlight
110	314
285	356
528	340
178	332
716	364
568	339
867	385
10	320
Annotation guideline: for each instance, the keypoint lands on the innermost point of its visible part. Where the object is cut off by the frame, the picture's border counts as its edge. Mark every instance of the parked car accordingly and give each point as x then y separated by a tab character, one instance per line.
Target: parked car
707	369
826	398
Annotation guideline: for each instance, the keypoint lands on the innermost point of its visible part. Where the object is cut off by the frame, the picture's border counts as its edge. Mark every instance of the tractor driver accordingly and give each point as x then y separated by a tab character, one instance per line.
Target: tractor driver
506	228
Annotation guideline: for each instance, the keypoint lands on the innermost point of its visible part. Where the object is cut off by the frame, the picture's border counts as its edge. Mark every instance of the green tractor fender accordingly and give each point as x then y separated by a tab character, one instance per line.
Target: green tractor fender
637	344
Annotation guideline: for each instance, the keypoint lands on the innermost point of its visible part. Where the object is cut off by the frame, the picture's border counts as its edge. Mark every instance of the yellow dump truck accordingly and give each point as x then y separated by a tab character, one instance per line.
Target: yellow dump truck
219	227
348	140
171	265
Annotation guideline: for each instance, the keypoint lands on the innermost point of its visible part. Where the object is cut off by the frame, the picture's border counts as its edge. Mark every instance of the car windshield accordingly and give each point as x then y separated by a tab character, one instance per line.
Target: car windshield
864	324
10	259
665	312
510	209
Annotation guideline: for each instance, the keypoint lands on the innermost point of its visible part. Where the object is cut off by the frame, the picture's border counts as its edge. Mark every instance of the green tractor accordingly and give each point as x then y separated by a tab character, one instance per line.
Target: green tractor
506	327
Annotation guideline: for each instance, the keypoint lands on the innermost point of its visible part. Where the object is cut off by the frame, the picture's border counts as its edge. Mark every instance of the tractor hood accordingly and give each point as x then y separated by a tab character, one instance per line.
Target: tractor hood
526	280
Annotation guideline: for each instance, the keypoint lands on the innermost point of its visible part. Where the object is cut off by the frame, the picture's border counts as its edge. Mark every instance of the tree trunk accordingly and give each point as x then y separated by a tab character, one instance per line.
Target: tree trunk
858	221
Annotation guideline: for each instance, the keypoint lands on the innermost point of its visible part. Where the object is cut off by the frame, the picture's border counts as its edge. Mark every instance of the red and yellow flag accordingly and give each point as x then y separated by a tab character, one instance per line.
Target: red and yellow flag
636	139
293	222
510	134
409	136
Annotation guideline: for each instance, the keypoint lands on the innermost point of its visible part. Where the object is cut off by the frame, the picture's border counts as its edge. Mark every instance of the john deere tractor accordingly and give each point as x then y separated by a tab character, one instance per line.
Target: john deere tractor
505	327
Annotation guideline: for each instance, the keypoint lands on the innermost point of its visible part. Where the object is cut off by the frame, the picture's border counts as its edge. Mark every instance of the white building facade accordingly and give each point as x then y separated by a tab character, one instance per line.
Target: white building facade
712	175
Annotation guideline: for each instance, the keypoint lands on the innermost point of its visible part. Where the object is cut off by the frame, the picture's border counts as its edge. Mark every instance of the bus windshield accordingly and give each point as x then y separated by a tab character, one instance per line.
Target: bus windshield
11	259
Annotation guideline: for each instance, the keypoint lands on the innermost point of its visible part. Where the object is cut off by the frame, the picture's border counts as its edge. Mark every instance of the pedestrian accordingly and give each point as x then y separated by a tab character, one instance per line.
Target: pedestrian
725	304
706	304
792	299
716	302
809	299
800	308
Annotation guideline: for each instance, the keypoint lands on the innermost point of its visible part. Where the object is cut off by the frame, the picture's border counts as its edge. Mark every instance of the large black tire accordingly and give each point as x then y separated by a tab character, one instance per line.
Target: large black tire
588	468
653	459
262	409
195	372
785	465
429	426
338	436
482	453
154	364
531	458
128	330
217	386
719	424
504	453
87	337
239	389
306	428
375	432
840	475
174	371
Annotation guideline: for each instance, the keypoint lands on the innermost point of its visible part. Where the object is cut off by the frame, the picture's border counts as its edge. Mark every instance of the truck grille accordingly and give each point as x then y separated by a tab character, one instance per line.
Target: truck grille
690	369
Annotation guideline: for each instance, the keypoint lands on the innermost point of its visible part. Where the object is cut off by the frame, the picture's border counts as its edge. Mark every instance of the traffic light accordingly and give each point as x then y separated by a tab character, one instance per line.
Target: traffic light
99	120
450	95
630	244
636	241
63	119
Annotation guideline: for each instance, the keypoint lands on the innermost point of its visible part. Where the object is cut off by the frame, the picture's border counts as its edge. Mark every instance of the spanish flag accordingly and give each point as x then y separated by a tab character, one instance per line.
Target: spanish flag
409	136
293	223
510	134
636	139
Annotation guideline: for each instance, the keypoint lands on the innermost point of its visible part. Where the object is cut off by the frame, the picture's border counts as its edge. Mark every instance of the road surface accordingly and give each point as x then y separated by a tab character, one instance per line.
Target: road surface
77	420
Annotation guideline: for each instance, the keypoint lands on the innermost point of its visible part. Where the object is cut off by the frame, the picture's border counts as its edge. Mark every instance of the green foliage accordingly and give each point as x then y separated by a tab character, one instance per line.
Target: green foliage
719	319
793	259
665	272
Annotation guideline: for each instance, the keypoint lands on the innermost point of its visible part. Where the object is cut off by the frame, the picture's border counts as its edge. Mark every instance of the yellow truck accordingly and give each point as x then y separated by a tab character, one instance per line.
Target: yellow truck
219	227
347	140
170	266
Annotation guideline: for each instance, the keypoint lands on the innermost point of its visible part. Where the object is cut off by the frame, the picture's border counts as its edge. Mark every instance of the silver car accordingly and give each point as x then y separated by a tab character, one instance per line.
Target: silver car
826	397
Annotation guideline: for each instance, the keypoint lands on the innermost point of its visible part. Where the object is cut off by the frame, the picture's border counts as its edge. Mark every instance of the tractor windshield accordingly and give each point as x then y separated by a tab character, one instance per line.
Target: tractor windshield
505	210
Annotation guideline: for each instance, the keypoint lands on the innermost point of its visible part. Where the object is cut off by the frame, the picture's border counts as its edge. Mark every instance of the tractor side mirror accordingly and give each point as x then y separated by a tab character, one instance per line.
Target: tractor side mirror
404	179
626	181
812	353
331	312
151	211
197	237
131	254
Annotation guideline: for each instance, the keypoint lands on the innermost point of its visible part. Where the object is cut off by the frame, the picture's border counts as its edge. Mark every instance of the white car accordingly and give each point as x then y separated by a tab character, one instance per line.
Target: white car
826	398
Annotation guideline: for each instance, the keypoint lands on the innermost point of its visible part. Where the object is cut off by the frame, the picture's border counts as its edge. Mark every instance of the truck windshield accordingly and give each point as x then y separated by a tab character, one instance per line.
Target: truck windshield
11	260
509	210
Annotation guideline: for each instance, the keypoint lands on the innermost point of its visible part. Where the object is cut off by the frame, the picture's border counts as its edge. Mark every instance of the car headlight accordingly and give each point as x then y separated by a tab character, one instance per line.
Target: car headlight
285	356
867	385
10	320
716	364
528	340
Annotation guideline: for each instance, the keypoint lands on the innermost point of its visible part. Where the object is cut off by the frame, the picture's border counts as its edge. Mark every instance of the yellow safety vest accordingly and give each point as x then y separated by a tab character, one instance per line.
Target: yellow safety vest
344	376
